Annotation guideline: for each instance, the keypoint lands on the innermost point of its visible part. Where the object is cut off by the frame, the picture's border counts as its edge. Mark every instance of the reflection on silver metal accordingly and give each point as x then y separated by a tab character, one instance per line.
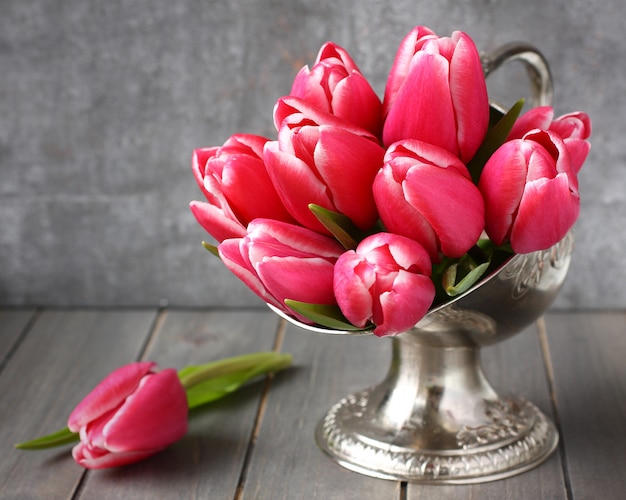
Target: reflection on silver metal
435	418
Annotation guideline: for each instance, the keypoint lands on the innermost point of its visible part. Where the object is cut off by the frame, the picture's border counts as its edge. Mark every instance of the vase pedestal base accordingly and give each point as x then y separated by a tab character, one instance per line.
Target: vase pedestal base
515	437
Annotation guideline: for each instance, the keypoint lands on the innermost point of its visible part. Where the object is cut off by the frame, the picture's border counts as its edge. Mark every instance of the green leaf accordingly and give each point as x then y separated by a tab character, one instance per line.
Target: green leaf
211	248
454	288
58	438
329	316
212	381
339	225
495	137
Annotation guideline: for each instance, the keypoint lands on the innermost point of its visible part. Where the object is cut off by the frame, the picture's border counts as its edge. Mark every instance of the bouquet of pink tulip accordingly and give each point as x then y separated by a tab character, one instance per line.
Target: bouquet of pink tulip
363	214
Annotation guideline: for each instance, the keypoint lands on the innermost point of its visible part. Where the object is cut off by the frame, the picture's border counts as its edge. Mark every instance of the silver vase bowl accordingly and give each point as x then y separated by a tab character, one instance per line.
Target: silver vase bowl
435	418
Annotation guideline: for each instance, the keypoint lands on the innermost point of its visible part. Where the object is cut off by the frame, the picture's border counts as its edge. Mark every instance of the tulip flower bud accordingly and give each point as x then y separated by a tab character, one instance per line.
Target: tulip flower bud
425	193
574	128
281	261
132	414
235	182
530	191
436	93
386	281
335	85
327	163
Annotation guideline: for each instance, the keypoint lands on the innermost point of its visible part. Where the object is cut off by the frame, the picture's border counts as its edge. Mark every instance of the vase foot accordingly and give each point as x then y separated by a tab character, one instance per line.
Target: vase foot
516	437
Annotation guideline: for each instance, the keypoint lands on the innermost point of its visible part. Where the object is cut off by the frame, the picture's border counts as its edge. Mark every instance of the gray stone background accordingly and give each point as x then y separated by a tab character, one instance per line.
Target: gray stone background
101	104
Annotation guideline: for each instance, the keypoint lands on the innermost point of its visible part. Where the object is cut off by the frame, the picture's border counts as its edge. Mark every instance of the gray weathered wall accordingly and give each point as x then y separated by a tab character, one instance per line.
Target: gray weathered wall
101	104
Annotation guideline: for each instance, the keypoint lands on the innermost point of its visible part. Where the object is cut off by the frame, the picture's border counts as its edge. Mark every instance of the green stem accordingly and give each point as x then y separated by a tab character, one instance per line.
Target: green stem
267	361
58	438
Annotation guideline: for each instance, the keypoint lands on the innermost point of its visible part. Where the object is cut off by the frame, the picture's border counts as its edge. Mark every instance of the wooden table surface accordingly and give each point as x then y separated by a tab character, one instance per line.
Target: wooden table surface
258	443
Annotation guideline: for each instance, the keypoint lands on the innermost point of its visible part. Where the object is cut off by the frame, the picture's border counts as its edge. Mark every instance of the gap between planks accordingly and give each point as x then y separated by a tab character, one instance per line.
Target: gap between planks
547	361
258	419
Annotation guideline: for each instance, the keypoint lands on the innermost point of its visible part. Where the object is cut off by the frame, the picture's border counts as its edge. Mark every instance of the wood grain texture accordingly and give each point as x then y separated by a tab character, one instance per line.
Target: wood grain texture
588	354
64	355
208	461
286	463
12	324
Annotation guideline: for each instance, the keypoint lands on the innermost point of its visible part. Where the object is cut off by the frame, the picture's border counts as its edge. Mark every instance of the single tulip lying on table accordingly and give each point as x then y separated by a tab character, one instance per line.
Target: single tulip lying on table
366	213
137	410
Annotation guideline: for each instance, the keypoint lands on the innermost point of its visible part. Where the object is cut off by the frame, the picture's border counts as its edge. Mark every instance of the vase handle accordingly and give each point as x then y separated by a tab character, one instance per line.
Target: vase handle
536	65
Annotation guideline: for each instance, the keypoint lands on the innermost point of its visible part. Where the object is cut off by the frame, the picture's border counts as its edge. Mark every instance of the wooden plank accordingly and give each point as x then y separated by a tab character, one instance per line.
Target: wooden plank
62	358
588	352
208	461
12	324
514	366
286	463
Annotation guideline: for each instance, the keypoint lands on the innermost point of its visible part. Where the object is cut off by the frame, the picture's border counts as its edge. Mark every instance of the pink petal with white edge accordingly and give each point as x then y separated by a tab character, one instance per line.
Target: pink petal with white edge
353	279
305	280
153	417
405	304
423	107
109	393
296	185
105	459
214	222
231	255
291	240
539	117
548	210
450	203
502	185
469	96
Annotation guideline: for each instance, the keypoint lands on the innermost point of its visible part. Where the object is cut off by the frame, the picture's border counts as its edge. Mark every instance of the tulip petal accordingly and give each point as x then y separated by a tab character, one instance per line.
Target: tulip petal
109	394
152	417
399	216
251	200
353	279
348	165
538	117
230	253
284	239
547	211
423	107
90	460
502	185
469	96
301	279
296	185
213	221
410	44
404	305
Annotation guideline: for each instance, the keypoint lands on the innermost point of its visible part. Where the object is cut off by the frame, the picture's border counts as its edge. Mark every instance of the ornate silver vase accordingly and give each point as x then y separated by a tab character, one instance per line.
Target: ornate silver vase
435	418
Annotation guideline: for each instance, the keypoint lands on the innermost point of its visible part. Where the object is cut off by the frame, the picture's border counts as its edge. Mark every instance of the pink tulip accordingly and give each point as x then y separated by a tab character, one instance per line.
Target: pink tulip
281	261
336	85
573	128
325	162
436	93
234	180
132	414
385	281
425	193
530	191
